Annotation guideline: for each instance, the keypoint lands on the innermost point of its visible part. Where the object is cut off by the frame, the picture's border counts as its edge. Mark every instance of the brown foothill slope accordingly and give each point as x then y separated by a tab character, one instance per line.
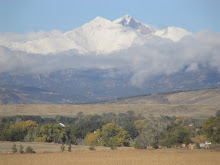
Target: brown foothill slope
197	97
196	104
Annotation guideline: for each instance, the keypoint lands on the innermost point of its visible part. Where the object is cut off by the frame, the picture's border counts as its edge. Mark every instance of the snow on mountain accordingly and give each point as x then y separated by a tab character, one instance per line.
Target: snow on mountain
172	33
48	45
128	21
103	36
100	36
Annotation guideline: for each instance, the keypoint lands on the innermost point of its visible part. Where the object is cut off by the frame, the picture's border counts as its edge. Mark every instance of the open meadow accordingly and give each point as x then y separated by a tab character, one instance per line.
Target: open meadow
52	110
121	156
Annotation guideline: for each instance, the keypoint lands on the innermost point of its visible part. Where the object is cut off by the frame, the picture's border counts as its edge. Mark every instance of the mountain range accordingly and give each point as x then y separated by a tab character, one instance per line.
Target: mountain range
100	36
71	86
105	60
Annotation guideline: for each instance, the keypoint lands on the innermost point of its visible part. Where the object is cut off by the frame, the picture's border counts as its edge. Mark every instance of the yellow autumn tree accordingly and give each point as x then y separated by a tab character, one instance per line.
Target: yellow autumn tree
92	139
25	130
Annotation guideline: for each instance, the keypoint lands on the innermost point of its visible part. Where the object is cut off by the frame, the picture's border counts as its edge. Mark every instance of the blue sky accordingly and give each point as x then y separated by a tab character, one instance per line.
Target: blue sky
21	16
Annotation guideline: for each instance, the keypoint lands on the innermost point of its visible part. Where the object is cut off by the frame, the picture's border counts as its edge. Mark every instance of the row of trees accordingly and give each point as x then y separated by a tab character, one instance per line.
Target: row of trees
120	119
163	132
16	129
158	131
124	129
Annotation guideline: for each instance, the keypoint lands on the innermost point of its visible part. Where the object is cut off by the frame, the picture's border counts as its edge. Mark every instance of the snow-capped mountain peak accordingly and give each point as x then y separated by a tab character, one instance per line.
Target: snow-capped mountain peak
125	20
100	36
172	33
99	20
128	21
103	36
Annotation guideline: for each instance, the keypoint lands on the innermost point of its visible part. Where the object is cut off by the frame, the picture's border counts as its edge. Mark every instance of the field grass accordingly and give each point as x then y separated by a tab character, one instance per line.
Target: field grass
121	156
6	147
195	111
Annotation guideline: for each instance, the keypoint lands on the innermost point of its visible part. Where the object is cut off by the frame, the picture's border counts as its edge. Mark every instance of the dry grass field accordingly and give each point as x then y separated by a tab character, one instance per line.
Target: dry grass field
195	111
121	156
5	147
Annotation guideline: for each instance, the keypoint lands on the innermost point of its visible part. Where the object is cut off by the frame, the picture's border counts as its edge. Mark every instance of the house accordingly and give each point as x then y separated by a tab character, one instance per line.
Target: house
202	145
205	145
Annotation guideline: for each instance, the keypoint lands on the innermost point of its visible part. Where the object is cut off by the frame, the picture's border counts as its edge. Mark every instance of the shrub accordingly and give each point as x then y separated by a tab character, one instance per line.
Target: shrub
62	147
91	148
21	150
14	148
29	149
113	147
69	148
155	145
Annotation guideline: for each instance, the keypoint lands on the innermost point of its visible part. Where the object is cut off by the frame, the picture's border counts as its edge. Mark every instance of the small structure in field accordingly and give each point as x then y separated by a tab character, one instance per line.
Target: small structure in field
181	145
191	125
62	125
191	146
202	145
205	145
149	147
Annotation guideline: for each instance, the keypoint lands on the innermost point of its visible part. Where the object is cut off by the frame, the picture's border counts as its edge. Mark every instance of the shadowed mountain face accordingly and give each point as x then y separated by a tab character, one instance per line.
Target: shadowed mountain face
94	85
128	21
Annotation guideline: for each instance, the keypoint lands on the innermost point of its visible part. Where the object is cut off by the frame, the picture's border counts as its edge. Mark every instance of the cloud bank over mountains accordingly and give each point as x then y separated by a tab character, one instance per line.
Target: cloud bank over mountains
125	44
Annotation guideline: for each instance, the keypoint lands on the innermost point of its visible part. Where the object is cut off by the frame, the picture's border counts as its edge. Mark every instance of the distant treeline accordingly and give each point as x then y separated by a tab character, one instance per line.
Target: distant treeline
110	129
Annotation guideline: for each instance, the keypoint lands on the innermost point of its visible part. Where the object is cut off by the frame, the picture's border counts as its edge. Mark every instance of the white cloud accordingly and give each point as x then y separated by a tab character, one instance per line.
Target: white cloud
7	38
192	67
157	56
